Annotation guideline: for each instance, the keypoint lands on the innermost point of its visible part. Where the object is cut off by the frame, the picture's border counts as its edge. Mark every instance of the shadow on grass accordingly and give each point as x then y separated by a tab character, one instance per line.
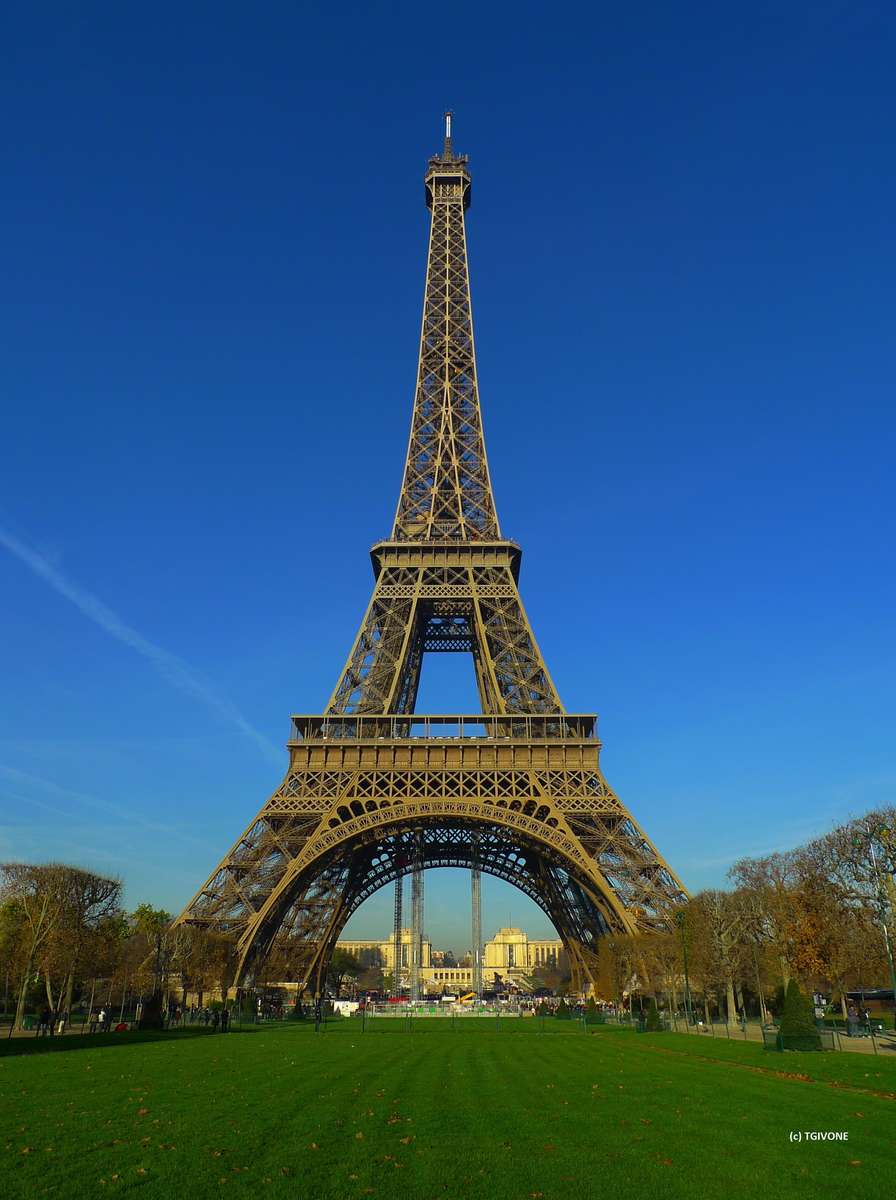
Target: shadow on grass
93	1041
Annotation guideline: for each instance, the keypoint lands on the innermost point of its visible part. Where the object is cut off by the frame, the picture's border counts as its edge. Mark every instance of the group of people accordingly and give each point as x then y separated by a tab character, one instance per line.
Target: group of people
50	1023
858	1021
216	1018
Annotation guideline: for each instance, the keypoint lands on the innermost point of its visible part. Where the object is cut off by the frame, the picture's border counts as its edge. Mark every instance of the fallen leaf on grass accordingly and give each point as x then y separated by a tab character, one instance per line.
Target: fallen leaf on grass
549	1147
393	1120
314	1146
855	1162
359	1136
645	1121
406	1141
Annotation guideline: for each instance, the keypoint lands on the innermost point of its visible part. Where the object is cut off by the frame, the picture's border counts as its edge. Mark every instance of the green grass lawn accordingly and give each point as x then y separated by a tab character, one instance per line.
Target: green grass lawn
441	1113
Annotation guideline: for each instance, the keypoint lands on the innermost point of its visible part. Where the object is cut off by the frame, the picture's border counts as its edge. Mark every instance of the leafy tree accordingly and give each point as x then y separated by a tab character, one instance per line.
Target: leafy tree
563	1011
89	903
344	969
371	979
154	945
547	976
622	954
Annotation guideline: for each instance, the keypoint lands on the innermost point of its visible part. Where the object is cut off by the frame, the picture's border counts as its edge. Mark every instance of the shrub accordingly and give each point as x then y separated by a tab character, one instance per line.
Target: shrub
652	1023
797	1030
563	1011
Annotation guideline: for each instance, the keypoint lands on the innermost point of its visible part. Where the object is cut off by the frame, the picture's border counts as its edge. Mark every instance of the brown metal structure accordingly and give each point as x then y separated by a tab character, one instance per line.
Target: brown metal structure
373	790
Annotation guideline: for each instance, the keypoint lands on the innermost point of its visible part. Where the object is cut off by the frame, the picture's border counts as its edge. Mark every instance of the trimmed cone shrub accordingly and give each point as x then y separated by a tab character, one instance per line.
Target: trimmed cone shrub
563	1010
152	1016
797	1029
652	1023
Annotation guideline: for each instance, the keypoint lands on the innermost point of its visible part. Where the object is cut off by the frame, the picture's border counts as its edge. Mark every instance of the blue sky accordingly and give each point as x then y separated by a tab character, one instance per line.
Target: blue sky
682	257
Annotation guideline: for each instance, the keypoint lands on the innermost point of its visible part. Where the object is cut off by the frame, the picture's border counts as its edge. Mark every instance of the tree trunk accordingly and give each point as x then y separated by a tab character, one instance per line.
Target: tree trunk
739	997
785	972
69	989
729	999
843	1007
49	991
20	1007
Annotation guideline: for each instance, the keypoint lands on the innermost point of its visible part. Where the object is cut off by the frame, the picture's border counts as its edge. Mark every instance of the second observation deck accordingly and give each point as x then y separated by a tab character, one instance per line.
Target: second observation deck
482	727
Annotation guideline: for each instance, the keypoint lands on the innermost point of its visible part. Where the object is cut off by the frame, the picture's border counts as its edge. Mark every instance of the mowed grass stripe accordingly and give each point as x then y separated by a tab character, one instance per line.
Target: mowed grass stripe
346	1114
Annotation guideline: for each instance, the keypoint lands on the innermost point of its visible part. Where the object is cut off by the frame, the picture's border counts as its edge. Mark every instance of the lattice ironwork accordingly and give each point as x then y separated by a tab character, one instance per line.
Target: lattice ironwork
373	791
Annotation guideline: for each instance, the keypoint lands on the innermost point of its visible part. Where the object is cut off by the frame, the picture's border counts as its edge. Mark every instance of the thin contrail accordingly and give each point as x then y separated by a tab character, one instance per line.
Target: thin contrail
120	811
172	668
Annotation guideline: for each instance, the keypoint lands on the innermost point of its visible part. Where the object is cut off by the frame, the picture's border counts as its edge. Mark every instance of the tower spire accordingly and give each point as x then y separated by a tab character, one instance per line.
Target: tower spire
446	493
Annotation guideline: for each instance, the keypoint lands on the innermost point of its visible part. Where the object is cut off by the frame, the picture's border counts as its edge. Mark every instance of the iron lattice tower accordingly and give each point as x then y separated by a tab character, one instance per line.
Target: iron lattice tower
373	791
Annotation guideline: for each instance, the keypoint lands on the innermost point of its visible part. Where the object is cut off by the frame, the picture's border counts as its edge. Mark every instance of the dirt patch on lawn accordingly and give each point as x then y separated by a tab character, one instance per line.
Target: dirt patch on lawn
799	1076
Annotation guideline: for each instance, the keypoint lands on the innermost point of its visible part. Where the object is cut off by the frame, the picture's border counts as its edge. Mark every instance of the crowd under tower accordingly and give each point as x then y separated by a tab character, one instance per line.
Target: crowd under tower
374	791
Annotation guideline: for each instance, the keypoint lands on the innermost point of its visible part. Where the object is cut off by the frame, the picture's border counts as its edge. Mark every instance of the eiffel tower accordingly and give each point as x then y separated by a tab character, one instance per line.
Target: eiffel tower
373	791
